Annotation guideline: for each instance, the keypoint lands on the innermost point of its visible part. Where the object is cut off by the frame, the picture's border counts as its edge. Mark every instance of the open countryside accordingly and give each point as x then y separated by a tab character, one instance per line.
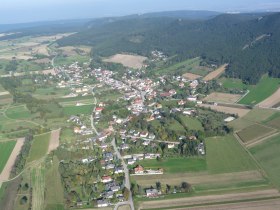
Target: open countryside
165	110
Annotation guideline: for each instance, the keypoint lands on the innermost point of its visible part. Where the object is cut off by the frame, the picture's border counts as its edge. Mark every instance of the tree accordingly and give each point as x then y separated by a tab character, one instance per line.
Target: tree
158	186
186	186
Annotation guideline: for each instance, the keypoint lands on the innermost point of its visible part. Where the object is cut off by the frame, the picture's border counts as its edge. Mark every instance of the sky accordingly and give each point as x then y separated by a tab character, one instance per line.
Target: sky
19	11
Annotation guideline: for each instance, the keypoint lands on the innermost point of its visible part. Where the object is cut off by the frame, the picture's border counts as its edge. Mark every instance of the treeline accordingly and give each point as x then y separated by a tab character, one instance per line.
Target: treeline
250	43
21	158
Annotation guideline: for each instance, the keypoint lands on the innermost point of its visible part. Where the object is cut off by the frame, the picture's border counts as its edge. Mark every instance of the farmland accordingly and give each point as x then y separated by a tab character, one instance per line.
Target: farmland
267	154
132	61
254	132
76	110
265	88
18	112
54	193
225	154
177	165
229	110
271	101
222	97
6	149
187	66
39	147
215	74
233	84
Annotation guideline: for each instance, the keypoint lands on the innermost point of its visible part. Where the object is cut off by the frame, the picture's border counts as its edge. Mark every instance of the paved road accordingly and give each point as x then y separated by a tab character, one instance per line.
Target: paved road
127	181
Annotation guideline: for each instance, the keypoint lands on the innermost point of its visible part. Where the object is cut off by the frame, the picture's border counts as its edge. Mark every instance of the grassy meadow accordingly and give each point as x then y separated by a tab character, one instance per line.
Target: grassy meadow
6	149
224	155
265	88
39	147
267	154
76	110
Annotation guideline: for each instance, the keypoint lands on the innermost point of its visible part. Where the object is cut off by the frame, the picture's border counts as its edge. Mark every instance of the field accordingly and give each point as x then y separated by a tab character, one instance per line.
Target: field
254	132
191	76
26	47
264	89
54	140
76	110
15	150
191	123
54	191
267	154
228	110
271	101
225	154
187	66
176	165
131	61
39	147
38	187
214	74
18	112
6	149
222	97
184	203
50	93
274	122
233	84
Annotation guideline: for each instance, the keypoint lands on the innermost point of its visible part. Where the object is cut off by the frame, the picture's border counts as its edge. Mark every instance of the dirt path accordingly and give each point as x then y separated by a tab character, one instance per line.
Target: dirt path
209	199
216	73
271	101
10	163
54	140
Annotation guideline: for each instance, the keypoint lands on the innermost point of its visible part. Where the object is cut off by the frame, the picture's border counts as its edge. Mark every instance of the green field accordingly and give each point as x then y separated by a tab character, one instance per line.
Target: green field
225	154
190	65
191	123
39	147
75	110
50	92
268	156
176	165
254	132
274	121
265	88
18	112
6	149
231	84
255	116
54	191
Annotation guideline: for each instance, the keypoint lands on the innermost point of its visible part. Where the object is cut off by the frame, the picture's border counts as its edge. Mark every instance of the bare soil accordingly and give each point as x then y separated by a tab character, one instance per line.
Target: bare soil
54	141
4	176
222	97
132	61
191	76
271	101
214	74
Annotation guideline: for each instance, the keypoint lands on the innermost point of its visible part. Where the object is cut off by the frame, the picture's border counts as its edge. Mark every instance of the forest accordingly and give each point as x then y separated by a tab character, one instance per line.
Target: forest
248	42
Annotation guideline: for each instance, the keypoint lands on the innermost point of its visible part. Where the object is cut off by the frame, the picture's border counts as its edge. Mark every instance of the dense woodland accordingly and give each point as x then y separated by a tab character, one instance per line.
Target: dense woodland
248	42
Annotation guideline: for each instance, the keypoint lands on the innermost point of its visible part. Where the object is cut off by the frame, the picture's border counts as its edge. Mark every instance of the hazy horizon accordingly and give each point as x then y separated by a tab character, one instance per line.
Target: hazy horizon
14	11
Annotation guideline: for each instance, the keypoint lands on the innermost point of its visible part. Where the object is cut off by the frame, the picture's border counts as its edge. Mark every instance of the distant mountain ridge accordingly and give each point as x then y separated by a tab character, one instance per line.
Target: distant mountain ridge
217	40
